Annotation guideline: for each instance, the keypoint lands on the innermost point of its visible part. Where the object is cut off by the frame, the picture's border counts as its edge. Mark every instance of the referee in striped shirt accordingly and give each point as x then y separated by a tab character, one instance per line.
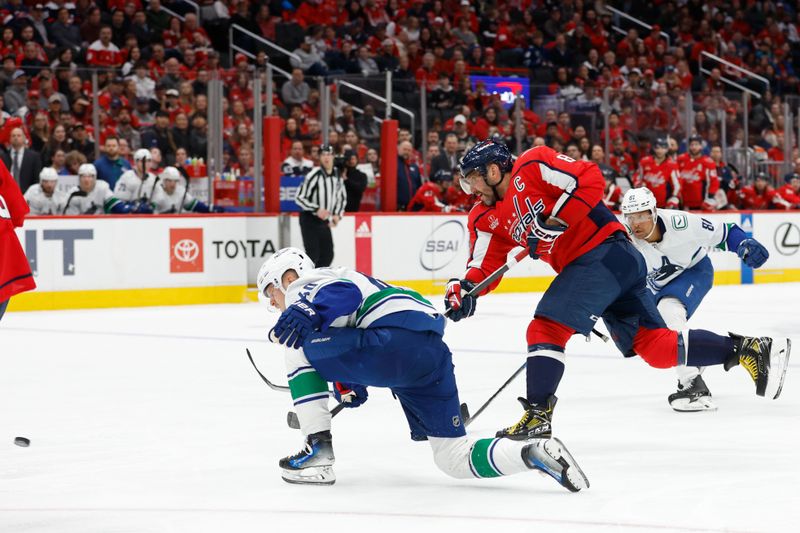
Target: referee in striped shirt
322	197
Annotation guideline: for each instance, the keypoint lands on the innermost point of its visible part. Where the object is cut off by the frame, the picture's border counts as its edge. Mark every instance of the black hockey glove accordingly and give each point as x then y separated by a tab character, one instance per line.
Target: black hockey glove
457	302
542	236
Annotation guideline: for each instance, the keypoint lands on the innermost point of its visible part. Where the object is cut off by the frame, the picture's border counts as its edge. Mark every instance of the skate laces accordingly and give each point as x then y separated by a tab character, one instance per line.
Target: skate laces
308	449
524	421
749	357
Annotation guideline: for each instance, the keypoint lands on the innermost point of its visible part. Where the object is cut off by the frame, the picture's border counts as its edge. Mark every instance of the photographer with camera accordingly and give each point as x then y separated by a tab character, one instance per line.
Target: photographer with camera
322	197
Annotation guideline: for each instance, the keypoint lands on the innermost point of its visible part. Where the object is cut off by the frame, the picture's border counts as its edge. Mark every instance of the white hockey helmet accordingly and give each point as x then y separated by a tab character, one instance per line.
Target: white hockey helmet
170	173
87	169
273	269
48	174
142	154
637	200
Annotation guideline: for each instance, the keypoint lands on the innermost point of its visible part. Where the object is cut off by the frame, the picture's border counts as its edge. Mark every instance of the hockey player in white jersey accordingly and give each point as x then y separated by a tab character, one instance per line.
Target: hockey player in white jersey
93	196
172	197
138	184
675	246
345	327
44	198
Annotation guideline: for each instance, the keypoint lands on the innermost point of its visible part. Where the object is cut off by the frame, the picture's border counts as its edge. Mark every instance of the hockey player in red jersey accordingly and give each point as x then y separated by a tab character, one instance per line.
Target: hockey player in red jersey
553	205
788	196
759	195
698	175
430	196
619	159
15	272
660	174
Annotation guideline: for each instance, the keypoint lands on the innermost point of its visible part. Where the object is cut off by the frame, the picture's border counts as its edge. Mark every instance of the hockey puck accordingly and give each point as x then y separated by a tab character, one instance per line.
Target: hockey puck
22	441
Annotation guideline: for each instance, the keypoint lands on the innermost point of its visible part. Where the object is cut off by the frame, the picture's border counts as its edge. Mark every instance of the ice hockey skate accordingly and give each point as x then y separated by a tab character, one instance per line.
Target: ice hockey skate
313	465
692	396
552	457
535	422
765	359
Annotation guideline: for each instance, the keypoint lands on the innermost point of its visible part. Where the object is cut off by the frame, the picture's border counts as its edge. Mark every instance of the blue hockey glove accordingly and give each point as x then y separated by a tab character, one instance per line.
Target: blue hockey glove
752	253
142	208
542	236
457	301
296	323
217	209
350	394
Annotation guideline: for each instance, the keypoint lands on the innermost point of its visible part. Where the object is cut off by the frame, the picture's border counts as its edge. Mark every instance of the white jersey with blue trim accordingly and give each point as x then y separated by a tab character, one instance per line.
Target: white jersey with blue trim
685	241
131	187
379	300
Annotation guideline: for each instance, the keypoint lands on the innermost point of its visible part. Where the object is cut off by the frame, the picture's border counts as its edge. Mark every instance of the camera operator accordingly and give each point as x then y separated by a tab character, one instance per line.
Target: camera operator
322	197
355	181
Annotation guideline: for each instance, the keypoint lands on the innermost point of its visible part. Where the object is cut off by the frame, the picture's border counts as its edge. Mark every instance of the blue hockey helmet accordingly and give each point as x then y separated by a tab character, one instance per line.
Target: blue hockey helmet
661	142
442	175
480	156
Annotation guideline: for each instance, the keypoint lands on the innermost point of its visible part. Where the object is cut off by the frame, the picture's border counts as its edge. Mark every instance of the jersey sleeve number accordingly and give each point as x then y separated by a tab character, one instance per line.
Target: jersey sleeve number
566	158
707	225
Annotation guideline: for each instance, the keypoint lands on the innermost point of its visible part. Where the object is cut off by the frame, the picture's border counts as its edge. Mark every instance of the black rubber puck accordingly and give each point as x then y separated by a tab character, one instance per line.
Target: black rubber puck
22	441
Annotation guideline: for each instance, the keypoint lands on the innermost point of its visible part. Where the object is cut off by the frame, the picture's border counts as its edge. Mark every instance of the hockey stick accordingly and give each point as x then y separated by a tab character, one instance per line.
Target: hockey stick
183	200
271	385
465	416
293	422
291	416
491	278
78	193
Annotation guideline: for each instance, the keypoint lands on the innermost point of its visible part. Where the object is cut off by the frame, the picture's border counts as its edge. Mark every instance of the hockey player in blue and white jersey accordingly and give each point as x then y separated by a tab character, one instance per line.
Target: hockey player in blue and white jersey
172	197
138	184
44	198
675	246
345	327
94	197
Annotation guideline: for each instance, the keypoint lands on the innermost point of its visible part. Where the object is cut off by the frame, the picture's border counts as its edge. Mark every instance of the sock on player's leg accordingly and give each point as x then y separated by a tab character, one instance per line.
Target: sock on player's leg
309	393
705	348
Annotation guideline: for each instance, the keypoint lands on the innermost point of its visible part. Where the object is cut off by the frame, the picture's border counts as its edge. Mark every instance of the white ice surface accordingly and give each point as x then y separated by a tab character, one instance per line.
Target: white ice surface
152	420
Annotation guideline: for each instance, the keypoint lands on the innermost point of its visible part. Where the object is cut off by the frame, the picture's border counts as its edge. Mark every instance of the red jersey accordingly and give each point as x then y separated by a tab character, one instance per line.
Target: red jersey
662	180
786	198
698	179
547	183
15	272
458	199
749	198
612	197
104	56
429	197
622	163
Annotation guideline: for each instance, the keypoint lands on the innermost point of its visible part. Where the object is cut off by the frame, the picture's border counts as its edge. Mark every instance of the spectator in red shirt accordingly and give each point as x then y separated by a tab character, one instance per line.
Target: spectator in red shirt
104	53
426	75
